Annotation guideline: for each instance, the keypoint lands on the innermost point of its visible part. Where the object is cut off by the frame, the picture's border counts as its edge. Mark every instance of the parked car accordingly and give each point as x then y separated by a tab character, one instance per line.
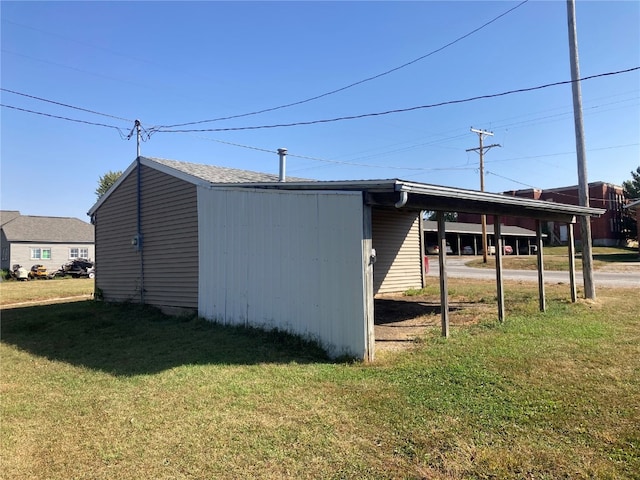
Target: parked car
506	250
467	250
433	249
528	249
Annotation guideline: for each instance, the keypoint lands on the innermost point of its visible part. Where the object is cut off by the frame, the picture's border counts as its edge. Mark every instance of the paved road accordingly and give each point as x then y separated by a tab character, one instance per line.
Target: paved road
456	268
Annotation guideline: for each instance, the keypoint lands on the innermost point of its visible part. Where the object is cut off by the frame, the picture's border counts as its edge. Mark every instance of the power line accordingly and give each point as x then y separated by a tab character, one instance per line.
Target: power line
399	110
122	135
65	105
560	194
360	82
563	153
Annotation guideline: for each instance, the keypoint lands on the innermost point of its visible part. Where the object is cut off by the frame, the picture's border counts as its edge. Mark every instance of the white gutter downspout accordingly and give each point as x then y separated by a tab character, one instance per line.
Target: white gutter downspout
404	196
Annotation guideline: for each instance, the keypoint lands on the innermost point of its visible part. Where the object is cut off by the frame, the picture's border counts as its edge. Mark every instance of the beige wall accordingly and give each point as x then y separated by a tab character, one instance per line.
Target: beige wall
396	239
168	263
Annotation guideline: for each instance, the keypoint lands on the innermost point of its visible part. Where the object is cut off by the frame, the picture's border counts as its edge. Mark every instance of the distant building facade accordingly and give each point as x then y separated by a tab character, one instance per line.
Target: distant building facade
605	231
50	241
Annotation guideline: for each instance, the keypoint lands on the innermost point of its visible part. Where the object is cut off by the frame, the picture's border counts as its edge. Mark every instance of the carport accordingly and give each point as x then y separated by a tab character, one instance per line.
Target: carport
418	197
446	199
462	234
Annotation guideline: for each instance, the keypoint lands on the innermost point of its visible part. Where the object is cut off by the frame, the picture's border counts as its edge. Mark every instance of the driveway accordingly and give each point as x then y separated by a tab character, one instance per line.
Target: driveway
627	275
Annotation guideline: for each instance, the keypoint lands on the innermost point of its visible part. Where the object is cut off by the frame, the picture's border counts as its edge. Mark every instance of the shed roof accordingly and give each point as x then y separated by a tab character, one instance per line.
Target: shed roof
383	192
27	228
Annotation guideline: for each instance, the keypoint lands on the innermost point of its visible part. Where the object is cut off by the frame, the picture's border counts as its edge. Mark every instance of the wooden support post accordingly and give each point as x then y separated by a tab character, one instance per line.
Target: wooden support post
442	261
367	262
572	264
497	229
423	249
541	294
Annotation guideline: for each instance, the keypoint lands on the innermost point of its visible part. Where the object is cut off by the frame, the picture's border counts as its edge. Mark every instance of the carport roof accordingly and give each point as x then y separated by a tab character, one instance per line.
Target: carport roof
476	229
422	196
385	192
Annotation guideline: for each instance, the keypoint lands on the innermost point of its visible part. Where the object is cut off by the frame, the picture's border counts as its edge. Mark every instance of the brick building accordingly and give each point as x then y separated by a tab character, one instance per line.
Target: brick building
605	231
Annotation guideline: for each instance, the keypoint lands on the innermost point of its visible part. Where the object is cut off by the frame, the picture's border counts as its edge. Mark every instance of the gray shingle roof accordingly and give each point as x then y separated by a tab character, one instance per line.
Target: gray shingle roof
8	215
26	228
216	174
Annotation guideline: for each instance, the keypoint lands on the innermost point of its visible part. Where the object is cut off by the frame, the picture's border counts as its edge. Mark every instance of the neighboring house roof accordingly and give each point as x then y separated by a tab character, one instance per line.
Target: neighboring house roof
385	192
26	228
8	215
476	229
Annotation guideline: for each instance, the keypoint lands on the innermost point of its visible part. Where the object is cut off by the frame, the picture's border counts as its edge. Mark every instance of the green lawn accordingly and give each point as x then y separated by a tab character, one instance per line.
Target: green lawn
557	258
97	391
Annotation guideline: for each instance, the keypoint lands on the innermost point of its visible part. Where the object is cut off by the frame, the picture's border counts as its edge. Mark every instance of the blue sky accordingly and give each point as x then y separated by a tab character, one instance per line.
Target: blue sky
167	63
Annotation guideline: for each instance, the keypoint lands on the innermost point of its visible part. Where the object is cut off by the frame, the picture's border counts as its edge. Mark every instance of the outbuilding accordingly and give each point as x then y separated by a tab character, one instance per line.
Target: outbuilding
245	248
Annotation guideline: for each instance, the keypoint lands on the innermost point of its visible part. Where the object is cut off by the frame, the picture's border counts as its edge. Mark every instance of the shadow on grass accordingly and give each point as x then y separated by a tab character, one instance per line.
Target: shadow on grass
631	257
132	340
393	310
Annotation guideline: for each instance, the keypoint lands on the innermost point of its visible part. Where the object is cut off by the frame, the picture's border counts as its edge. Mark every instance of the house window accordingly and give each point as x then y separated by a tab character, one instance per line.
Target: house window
40	254
5	253
78	252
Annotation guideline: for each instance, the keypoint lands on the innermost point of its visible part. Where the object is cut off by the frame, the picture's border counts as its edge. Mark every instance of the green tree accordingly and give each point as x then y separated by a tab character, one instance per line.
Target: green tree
448	216
632	187
105	182
631	191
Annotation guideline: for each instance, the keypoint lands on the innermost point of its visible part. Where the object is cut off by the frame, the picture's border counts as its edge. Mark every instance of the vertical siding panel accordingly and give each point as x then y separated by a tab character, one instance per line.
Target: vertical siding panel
292	261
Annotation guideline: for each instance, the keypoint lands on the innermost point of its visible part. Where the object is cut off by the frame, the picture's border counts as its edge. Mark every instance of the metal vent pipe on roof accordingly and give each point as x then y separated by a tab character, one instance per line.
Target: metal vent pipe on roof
282	152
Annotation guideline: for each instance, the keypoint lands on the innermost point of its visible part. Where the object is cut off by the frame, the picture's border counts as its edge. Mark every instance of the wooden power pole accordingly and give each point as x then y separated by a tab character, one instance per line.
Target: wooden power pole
583	186
480	150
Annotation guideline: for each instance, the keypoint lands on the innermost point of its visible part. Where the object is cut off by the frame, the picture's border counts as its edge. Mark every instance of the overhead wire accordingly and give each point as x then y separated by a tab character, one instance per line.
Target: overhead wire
64	105
118	129
360	82
399	110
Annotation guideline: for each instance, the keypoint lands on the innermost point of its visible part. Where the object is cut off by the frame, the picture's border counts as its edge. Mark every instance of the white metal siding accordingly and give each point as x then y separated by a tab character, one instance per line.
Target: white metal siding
396	239
285	260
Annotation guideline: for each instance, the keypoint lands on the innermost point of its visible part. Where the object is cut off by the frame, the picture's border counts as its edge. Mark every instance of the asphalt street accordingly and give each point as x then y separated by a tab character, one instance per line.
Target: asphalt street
456	268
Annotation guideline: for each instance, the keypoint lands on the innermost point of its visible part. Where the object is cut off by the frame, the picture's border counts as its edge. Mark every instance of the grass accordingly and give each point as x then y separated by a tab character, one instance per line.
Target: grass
557	258
99	391
36	290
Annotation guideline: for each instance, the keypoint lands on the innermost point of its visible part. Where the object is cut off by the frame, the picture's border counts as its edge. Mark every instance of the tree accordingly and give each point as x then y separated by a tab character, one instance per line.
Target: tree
631	191
448	216
632	187
105	182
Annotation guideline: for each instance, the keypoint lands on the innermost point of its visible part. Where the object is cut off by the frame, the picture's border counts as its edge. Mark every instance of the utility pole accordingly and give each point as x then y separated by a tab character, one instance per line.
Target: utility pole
583	186
480	150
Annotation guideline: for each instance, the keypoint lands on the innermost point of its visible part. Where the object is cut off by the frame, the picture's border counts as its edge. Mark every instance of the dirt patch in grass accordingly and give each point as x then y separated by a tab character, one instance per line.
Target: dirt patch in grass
401	320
